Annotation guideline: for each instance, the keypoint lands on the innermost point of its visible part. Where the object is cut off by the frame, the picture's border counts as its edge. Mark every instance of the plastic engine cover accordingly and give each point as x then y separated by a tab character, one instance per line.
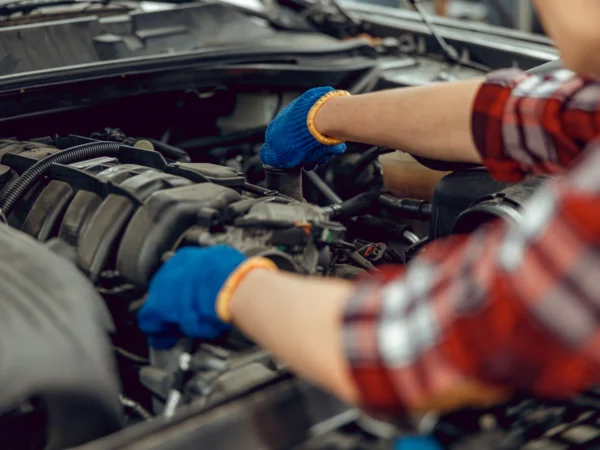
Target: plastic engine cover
155	227
120	217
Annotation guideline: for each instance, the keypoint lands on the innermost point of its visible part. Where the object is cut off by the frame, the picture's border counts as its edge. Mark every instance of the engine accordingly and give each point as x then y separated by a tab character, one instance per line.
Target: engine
119	216
120	211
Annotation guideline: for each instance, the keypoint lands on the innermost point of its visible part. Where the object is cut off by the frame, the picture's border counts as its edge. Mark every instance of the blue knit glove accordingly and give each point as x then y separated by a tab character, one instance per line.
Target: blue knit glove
289	143
182	295
417	443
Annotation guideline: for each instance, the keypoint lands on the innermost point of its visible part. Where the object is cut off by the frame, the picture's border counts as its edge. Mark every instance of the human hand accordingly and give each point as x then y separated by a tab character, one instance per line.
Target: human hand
189	294
292	140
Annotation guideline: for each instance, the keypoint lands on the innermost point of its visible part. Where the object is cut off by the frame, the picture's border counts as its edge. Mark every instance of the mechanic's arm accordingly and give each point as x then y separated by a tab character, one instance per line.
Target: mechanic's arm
432	121
515	123
300	320
517	131
471	319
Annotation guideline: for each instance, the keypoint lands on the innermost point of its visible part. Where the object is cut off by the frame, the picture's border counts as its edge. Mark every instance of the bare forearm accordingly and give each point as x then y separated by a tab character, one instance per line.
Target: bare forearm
431	121
300	321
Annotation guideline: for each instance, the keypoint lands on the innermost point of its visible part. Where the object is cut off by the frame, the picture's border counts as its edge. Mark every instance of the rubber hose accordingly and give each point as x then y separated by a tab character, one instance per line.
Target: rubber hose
323	188
170	151
40	168
353	206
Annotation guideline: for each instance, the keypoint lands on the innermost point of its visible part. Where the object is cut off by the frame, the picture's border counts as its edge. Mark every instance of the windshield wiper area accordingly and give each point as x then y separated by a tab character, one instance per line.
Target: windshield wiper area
327	16
26	7
450	53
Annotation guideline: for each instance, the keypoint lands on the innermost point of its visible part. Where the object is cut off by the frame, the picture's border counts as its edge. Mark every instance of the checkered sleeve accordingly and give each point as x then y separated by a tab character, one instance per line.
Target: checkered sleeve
513	306
524	123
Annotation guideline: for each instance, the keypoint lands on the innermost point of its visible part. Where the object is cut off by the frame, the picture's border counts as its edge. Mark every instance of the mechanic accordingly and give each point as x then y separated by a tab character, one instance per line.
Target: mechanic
470	319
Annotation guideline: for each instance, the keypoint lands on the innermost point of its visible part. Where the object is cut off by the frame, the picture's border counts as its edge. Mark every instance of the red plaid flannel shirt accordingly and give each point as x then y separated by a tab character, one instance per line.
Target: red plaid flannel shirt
515	306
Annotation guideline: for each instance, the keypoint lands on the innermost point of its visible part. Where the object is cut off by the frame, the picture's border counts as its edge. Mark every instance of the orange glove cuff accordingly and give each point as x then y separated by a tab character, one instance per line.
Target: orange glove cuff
223	303
310	120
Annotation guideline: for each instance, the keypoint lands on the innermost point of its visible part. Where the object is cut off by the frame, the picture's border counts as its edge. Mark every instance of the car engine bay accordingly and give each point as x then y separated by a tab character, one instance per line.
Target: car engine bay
117	211
116	207
102	179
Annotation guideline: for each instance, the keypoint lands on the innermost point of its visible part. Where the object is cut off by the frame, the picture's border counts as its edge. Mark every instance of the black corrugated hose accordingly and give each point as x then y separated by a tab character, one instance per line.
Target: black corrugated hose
40	168
353	206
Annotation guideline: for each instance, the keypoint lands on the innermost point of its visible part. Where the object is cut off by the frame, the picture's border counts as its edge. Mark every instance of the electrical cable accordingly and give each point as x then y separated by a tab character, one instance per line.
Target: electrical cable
131	356
135	407
37	171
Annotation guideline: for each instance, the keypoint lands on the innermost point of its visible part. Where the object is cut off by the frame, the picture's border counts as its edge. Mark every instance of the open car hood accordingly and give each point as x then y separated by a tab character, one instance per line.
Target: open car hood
188	90
151	30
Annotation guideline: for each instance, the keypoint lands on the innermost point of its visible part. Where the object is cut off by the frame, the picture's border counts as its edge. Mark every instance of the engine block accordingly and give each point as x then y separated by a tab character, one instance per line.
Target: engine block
119	218
122	217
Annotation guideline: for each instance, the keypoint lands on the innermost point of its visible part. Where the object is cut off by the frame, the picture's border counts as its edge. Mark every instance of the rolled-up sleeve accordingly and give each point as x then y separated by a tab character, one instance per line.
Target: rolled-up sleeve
472	318
534	124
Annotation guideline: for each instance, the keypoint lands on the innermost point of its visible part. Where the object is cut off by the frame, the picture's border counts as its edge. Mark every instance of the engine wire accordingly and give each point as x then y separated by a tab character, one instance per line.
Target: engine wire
131	356
135	407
